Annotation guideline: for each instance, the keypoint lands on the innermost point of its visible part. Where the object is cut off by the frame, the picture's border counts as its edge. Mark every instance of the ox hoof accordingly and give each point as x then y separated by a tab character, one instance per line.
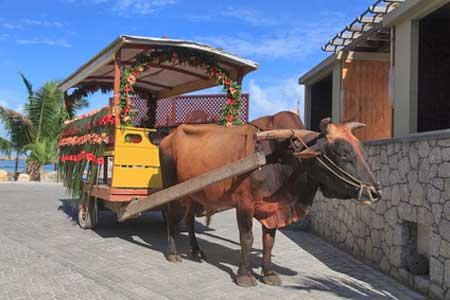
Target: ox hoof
246	280
173	258
198	255
271	278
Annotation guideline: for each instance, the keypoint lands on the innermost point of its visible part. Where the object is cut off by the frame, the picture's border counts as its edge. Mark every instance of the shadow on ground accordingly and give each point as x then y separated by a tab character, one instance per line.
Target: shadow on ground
344	276
149	231
351	278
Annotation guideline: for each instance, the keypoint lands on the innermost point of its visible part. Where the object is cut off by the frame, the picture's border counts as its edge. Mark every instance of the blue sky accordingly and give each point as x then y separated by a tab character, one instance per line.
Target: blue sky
48	40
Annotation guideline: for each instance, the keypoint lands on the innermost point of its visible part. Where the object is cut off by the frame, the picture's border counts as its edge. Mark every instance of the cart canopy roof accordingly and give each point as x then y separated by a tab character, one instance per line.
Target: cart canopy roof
162	80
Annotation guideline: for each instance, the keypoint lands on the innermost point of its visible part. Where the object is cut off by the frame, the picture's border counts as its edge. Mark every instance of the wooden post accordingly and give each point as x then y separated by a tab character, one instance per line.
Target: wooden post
117	74
240	76
105	170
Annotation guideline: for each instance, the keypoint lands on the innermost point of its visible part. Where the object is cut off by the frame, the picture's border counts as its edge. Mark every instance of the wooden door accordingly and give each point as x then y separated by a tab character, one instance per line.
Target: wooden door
365	98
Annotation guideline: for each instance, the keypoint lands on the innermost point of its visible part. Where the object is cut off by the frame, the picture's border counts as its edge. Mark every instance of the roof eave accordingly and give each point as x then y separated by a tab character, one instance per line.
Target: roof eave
320	70
193	45
412	9
103	57
107	55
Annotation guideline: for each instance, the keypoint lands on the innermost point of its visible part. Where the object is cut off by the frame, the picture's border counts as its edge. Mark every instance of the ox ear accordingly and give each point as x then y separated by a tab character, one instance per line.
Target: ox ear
324	125
307	153
354	125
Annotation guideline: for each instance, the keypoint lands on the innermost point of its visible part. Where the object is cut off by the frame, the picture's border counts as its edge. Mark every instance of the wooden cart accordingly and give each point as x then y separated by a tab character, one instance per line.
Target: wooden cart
128	180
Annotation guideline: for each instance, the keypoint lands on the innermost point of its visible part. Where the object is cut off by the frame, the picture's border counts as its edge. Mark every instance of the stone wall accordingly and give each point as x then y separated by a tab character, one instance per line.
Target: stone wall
415	174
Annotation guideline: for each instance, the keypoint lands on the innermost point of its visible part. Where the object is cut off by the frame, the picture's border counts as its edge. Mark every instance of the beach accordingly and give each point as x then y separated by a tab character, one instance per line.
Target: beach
9	165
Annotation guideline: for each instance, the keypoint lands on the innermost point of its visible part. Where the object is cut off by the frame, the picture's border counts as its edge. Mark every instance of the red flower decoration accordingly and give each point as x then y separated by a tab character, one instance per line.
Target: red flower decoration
135	73
227	82
230	101
100	161
131	79
127	89
230	118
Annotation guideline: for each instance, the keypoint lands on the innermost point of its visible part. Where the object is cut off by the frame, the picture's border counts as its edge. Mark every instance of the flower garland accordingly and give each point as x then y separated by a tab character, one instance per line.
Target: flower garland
84	139
83	156
88	123
81	149
231	110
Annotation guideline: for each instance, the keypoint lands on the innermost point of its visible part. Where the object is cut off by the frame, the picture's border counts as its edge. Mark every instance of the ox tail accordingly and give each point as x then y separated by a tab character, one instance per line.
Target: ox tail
168	169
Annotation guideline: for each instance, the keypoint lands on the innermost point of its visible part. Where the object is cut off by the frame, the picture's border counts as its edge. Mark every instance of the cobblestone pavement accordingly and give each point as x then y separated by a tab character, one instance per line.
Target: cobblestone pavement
45	255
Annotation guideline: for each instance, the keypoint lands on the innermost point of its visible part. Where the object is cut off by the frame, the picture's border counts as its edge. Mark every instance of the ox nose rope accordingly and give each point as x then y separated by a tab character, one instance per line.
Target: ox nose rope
335	170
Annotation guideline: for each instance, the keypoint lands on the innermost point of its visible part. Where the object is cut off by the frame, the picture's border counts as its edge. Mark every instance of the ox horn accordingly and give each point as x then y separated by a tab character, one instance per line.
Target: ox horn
354	125
282	134
324	125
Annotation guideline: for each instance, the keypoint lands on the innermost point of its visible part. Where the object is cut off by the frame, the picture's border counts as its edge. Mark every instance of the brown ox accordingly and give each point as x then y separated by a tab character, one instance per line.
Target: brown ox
277	194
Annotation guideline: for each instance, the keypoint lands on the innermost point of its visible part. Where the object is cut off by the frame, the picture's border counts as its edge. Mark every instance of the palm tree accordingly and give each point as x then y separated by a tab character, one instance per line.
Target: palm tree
17	128
36	132
6	146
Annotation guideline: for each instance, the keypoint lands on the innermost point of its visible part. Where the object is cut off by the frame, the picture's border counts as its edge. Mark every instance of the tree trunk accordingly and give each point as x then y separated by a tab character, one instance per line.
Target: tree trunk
33	169
16	168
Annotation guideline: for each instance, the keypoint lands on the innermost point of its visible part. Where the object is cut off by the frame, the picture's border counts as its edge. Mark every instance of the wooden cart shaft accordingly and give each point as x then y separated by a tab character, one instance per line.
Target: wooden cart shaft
193	185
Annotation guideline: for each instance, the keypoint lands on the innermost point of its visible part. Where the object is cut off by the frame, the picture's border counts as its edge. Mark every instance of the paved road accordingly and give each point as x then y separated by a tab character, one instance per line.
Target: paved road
45	255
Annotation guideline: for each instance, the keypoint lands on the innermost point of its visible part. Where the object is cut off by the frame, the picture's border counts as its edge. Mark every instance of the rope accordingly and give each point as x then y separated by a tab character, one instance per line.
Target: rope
350	180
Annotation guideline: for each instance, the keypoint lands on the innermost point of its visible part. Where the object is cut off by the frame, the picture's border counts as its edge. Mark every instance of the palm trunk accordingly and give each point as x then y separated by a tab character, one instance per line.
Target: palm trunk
16	168
33	169
41	172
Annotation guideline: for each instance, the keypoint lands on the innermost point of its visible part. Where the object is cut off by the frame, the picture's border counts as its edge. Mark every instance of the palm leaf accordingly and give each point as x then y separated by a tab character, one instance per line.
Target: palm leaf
6	146
28	86
17	126
44	111
43	152
71	110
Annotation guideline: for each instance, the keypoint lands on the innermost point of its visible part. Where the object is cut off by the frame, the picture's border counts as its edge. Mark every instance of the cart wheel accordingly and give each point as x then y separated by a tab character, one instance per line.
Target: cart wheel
86	217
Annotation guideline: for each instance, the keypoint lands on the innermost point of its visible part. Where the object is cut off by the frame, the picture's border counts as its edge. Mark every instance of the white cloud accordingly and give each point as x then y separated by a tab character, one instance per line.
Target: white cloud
282	95
266	46
60	43
29	23
140	7
249	15
46	23
129	7
12	26
21	108
298	40
200	18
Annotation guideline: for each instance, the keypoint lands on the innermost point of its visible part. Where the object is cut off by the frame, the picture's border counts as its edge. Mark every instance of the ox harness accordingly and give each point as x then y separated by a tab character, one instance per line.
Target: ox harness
339	172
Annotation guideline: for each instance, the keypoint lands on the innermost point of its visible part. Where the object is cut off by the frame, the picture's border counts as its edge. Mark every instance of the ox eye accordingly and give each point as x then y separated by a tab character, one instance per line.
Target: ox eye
345	157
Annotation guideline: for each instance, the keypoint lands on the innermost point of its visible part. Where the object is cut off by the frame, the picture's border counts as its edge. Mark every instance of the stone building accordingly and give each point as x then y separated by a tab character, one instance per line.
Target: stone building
390	68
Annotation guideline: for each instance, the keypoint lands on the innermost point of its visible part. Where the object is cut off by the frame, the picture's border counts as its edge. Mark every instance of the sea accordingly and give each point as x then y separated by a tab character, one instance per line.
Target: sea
8	166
